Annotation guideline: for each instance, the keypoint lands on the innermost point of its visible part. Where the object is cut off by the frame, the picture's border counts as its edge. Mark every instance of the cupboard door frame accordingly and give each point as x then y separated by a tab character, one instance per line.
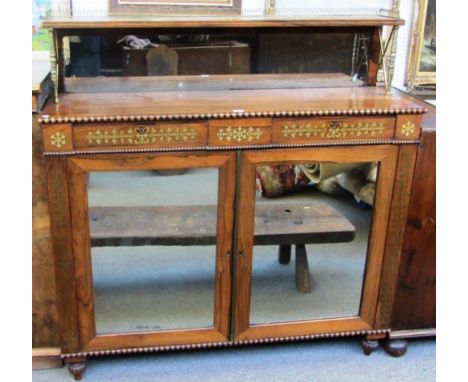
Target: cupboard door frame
78	170
386	155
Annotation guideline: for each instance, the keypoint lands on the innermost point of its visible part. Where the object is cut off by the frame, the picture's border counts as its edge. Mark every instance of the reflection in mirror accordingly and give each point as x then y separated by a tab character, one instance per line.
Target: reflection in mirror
151	61
153	249
312	226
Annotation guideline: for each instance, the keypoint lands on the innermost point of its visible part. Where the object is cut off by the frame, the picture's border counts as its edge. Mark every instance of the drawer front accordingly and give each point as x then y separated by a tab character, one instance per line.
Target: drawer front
240	132
331	129
150	135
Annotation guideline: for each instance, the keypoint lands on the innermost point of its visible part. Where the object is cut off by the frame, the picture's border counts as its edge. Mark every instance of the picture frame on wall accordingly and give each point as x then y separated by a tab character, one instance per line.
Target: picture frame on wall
175	7
421	71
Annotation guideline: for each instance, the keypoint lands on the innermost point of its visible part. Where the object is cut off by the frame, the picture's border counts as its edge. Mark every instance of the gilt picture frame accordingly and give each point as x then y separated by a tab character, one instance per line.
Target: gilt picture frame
174	7
421	70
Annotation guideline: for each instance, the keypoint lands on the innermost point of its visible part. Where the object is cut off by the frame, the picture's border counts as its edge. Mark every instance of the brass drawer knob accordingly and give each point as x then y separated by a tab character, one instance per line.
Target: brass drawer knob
334	125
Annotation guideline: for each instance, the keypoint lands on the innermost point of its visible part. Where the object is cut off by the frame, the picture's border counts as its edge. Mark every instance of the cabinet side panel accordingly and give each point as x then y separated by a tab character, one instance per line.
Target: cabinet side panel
395	234
44	310
415	298
63	255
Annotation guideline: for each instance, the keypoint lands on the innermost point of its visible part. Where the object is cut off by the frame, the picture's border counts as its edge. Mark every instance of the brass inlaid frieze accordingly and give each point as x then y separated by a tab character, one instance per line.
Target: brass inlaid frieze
239	134
408	128
142	135
333	130
58	139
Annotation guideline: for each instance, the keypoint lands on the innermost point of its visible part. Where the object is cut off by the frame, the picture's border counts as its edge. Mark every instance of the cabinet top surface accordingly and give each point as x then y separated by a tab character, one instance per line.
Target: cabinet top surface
104	22
227	104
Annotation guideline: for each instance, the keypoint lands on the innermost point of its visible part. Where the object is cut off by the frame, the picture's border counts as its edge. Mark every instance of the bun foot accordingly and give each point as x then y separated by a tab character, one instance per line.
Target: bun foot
368	346
396	348
76	367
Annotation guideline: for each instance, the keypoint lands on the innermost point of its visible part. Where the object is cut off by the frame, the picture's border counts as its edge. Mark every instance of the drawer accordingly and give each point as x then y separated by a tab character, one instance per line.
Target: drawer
303	130
140	135
240	132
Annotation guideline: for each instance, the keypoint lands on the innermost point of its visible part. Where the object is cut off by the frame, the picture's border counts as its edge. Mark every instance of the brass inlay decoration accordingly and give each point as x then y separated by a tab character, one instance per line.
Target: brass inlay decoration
58	139
142	135
333	129
240	134
408	128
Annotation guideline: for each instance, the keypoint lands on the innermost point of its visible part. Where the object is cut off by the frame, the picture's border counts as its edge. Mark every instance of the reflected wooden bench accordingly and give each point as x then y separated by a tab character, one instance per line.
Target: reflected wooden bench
284	225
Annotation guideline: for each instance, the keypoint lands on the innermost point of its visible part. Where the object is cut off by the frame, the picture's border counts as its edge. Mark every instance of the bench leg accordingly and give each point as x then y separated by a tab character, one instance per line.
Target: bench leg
303	279
284	254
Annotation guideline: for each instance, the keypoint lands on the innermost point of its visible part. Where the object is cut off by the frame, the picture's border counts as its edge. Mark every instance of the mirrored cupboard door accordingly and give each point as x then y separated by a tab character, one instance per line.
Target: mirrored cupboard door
311	239
152	236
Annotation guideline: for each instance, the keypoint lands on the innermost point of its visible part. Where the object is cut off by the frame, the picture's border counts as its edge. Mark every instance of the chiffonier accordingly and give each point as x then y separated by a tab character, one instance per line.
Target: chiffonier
179	196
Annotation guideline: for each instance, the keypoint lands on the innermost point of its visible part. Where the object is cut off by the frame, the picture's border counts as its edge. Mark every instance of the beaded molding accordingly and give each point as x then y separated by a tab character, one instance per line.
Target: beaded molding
225	148
209	345
119	118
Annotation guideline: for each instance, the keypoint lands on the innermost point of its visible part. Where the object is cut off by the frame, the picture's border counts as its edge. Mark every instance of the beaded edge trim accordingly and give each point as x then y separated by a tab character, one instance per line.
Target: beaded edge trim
226	148
45	119
208	345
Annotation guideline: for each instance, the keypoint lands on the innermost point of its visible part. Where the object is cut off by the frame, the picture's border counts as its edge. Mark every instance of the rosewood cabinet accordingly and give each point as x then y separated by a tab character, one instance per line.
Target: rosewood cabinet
213	224
199	211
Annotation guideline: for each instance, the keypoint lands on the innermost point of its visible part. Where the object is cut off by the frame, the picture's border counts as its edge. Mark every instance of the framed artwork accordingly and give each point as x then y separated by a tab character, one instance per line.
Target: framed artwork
176	7
40	36
422	55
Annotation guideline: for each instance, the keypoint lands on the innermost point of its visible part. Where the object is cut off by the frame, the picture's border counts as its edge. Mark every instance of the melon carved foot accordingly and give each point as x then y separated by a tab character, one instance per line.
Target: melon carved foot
76	367
396	348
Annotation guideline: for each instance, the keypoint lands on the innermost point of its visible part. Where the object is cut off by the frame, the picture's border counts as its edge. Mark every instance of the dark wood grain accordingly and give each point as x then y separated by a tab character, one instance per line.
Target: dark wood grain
415	299
58	196
78	185
45	330
395	234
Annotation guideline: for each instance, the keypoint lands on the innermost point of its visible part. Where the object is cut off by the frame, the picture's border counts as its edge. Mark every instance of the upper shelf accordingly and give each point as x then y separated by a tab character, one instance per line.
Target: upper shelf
309	18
